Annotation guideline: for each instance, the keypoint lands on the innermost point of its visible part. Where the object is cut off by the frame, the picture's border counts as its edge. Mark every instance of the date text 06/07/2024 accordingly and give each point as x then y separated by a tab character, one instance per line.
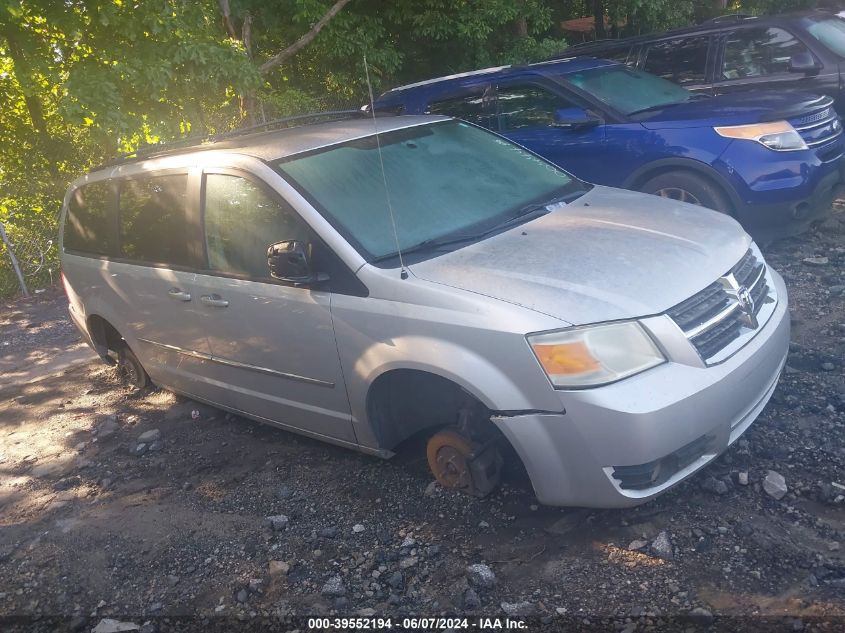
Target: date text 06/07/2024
416	624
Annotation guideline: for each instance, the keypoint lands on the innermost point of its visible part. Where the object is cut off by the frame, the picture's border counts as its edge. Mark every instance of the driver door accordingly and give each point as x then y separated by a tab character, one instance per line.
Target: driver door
525	113
272	344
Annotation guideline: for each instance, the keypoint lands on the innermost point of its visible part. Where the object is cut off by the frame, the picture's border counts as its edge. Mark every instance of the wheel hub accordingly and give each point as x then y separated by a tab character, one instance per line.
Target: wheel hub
676	193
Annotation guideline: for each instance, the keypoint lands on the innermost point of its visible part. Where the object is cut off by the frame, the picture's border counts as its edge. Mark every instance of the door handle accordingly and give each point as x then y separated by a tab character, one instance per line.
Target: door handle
214	300
178	293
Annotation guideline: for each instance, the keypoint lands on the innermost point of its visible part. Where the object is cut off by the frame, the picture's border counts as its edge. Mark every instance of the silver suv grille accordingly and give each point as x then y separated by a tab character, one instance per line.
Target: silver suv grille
719	315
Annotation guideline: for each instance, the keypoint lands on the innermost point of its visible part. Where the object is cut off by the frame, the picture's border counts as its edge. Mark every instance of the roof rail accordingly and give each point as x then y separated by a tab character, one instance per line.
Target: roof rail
592	42
158	149
730	17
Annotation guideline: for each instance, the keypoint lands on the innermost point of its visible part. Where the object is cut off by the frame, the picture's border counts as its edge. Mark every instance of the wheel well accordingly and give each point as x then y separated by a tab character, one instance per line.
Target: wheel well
403	402
104	335
643	178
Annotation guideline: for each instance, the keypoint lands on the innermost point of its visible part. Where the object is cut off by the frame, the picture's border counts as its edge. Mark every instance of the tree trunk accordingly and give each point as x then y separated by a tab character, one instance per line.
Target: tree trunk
33	103
520	27
598	15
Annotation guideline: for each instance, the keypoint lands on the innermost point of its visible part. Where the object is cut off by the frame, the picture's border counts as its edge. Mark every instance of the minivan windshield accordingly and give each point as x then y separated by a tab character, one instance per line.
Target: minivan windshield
829	30
627	90
446	181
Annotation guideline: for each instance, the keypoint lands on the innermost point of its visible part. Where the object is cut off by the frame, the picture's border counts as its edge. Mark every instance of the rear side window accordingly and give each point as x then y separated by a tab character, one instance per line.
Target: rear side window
153	220
759	52
91	220
478	107
241	221
683	61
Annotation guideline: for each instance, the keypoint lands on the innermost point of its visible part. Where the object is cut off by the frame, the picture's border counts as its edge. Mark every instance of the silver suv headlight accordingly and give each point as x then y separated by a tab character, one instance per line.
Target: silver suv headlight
595	355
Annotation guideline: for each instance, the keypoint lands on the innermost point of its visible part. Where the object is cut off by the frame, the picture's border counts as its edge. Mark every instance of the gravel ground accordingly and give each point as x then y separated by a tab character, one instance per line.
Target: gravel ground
218	516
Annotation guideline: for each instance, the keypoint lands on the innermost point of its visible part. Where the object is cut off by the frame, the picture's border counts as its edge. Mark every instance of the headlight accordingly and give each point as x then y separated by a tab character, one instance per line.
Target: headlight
778	135
595	355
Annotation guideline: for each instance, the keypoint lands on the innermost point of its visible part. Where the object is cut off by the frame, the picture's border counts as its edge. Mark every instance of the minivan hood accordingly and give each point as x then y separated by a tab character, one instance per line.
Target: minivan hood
612	254
735	109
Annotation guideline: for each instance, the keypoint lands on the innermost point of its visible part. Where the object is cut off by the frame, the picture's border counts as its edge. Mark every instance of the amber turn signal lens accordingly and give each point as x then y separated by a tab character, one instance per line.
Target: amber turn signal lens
566	358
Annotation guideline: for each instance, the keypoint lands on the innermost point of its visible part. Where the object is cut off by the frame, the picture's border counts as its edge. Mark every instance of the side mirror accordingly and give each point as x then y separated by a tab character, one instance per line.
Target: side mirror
574	118
803	63
290	261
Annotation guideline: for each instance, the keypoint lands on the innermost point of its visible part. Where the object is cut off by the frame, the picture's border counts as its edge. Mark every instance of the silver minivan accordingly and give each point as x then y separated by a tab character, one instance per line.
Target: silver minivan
365	281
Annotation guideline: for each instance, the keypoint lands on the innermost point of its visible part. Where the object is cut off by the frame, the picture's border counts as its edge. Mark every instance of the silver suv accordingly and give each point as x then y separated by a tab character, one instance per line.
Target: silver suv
363	282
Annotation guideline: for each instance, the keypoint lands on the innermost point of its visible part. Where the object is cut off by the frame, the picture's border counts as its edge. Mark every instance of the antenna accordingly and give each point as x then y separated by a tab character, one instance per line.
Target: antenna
404	273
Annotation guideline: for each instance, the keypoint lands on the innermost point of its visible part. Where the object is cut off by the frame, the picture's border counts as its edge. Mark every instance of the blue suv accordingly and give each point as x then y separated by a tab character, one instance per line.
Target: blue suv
768	158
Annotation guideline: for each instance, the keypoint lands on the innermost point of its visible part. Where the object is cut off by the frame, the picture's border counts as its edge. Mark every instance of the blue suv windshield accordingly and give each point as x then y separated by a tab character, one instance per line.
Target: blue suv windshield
829	30
446	179
627	90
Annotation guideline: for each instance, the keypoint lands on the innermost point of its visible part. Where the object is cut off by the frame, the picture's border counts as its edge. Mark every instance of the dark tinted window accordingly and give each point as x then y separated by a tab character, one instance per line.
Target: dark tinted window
759	52
153	220
528	106
617	55
478	107
241	221
683	61
90	224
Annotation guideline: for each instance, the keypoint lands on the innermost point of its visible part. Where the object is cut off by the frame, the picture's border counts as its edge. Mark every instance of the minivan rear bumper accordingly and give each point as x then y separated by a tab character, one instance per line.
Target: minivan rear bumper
660	426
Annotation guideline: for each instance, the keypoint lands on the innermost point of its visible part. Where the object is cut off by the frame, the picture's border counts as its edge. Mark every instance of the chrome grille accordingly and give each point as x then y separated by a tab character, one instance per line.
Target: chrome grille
818	128
718	315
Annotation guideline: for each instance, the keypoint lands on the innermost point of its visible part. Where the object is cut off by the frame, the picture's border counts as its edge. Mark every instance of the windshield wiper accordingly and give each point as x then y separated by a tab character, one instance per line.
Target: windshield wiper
521	216
428	245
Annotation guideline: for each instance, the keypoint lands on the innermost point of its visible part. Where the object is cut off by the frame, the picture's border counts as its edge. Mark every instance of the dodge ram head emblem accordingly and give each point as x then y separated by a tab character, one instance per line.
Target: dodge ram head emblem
746	306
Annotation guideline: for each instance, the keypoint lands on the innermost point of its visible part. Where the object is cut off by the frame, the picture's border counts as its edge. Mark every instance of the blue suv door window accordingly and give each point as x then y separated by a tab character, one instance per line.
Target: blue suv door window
683	61
527	107
759	52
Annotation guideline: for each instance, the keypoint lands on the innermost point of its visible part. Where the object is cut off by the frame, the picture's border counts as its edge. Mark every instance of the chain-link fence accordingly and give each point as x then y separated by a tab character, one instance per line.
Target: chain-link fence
29	261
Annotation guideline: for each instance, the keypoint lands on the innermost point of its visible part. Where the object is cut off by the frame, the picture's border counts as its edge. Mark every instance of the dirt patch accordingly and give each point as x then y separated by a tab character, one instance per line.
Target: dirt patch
37	339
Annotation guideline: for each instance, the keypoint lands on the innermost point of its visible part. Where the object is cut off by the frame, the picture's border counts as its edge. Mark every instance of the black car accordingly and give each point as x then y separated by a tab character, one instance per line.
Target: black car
803	51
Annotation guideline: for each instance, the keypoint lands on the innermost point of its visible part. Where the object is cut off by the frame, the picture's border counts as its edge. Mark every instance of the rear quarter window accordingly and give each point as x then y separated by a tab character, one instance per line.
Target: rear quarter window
91	221
154	224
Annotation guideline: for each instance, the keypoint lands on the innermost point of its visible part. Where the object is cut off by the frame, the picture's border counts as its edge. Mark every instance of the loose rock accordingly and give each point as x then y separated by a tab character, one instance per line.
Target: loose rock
276	522
107	625
518	609
278	568
481	575
334	587
471	600
149	436
716	486
662	547
775	485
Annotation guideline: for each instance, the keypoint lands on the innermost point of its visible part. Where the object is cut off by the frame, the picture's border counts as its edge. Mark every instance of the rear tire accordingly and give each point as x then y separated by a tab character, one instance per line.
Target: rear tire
685	186
130	369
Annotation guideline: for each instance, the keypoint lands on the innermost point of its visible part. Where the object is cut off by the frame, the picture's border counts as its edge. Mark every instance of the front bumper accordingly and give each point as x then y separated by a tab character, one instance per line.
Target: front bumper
780	191
674	418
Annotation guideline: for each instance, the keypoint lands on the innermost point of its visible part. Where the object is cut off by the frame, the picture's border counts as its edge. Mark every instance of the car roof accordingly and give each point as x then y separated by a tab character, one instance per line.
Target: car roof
709	26
278	144
554	67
